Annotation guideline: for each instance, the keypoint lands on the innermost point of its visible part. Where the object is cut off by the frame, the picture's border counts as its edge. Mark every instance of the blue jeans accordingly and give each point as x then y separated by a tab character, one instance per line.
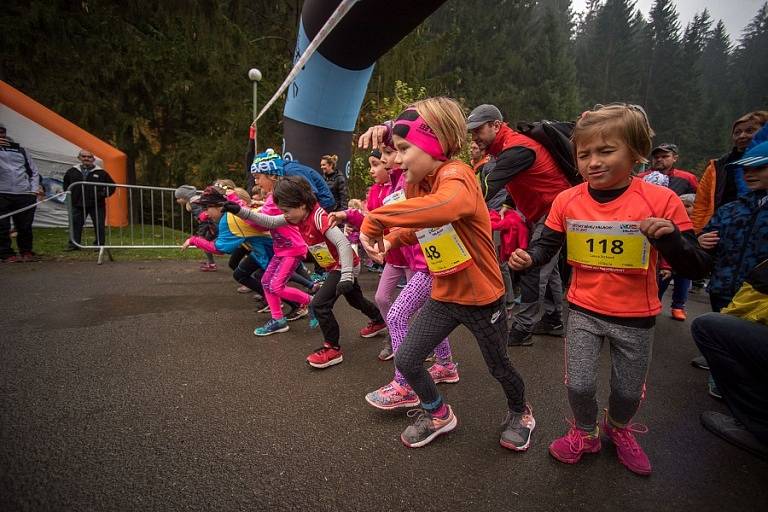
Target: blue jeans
680	291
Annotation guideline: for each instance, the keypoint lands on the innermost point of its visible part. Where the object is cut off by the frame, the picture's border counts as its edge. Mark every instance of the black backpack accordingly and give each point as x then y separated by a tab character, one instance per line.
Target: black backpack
555	136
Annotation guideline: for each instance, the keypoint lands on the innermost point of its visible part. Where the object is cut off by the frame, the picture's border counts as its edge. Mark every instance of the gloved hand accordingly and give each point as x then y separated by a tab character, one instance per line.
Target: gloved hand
231	207
345	285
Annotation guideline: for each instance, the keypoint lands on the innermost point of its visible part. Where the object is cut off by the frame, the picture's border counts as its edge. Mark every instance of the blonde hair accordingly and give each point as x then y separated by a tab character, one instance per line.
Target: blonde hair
331	159
628	123
446	118
355	204
758	116
242	194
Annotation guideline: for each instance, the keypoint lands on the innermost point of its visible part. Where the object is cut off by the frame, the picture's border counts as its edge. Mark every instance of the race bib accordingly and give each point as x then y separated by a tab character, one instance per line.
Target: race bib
608	246
322	255
443	249
394	197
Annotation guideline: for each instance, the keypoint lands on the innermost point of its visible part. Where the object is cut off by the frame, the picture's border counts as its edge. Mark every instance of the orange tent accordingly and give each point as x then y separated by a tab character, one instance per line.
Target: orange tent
114	160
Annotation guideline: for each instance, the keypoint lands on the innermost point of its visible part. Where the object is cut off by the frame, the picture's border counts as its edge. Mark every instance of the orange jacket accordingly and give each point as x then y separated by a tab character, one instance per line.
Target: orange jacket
704	206
448	195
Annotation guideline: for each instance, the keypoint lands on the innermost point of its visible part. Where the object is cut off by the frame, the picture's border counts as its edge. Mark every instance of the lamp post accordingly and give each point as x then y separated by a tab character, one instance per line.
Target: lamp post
255	76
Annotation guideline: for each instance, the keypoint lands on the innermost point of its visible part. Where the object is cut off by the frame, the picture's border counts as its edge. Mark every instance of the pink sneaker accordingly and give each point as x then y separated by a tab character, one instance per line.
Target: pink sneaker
372	329
393	396
208	267
448	373
629	451
573	445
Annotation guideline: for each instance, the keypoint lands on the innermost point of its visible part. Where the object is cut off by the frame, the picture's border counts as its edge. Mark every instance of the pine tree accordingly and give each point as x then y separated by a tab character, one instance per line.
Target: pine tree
751	63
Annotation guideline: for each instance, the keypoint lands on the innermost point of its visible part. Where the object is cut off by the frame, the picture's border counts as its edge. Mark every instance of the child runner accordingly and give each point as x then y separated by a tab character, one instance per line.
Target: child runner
299	207
608	223
445	213
289	246
186	196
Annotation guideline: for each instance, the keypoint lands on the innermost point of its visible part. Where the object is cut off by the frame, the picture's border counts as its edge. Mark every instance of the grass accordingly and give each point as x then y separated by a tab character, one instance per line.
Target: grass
50	244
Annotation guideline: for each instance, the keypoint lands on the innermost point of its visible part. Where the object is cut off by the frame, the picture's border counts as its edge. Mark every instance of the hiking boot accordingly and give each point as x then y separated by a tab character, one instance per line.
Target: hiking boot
549	328
427	427
630	453
386	351
373	328
518	338
712	388
574	444
297	312
700	362
273	326
517	430
326	356
447	373
733	431
678	314
393	396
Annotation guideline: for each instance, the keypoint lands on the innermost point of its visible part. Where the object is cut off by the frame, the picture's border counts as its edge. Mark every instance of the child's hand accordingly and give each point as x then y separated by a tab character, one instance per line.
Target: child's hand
654	227
186	244
520	260
373	137
376	248
709	240
336	218
665	274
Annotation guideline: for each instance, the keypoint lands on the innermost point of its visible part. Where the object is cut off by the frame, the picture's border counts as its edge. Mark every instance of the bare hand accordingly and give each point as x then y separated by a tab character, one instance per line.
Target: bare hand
709	240
373	137
665	274
336	218
186	244
503	211
375	247
654	227
520	260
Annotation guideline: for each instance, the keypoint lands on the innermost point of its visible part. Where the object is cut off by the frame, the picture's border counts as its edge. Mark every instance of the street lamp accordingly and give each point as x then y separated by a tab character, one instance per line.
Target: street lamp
254	75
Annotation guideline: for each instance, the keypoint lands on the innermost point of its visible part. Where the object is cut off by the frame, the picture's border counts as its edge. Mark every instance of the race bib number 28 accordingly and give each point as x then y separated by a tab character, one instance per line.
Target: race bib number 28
609	246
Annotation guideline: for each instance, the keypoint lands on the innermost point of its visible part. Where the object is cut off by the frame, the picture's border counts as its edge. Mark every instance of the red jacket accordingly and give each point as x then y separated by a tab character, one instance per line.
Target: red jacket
514	232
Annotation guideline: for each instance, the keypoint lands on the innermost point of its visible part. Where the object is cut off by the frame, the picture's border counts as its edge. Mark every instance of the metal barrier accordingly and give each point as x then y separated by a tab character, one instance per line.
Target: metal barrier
154	219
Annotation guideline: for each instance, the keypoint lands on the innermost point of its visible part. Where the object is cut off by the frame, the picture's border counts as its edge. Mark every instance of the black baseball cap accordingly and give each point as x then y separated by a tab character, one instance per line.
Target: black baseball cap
482	114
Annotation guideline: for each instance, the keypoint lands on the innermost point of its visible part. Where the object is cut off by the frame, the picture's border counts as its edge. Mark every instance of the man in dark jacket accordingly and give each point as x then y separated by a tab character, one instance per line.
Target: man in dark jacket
335	181
88	199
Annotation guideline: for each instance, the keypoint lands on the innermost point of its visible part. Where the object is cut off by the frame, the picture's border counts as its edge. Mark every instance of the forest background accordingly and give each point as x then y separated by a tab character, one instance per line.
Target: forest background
166	81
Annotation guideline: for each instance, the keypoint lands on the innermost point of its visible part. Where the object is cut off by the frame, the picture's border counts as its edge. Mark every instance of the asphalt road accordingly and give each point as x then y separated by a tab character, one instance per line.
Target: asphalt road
140	386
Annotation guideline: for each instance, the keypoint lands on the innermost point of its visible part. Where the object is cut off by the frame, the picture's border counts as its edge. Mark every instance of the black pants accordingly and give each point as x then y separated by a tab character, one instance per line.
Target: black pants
236	257
325	298
98	215
434	322
249	273
22	221
737	353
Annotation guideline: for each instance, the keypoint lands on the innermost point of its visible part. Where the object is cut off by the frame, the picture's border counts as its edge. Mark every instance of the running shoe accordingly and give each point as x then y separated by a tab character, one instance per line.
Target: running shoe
243	289
208	267
325	356
372	329
393	396
549	328
448	373
29	257
700	362
574	444
629	451
518	338
679	314
273	326
386	350
264	309
427	427
297	312
518	427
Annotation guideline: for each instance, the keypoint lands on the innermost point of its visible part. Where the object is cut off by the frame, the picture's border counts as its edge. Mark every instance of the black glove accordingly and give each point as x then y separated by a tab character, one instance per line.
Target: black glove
345	286
231	207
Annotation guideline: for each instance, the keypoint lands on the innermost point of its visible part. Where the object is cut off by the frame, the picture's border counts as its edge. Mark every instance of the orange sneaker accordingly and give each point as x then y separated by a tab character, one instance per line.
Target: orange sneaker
679	314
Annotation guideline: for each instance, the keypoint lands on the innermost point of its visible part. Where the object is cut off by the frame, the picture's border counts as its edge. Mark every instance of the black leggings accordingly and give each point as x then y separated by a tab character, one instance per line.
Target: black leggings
434	322
325	298
249	273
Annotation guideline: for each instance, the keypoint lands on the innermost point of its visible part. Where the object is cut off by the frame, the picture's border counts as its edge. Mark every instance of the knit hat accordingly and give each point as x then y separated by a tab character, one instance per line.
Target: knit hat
268	162
185	192
657	178
211	197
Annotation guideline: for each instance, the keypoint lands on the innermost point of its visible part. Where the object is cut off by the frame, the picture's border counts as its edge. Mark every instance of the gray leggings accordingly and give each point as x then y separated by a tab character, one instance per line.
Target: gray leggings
630	358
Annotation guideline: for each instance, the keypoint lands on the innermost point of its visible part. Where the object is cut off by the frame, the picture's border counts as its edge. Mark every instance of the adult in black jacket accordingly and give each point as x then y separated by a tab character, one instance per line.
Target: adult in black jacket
335	180
88	200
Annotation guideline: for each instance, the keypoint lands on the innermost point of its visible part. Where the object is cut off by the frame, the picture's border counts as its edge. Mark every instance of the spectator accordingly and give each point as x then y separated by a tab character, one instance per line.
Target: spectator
19	184
719	186
735	347
335	181
88	200
663	160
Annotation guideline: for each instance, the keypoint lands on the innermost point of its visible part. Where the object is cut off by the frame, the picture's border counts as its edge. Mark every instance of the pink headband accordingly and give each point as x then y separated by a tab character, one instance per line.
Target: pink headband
412	127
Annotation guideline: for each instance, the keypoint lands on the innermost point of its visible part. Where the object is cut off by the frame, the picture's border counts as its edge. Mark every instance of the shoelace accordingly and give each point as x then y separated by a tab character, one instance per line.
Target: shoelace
423	418
575	436
625	436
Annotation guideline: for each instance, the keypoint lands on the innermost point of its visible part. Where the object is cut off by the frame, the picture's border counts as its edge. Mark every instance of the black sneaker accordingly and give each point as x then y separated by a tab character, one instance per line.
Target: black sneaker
518	426
549	328
518	338
733	431
297	312
700	362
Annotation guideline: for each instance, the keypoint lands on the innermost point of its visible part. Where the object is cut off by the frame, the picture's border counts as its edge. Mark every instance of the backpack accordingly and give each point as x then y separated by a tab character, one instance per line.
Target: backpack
555	136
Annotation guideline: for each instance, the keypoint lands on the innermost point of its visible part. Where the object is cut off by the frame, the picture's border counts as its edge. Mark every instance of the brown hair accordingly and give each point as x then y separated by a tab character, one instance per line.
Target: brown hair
627	122
446	118
243	194
293	192
224	185
331	159
758	116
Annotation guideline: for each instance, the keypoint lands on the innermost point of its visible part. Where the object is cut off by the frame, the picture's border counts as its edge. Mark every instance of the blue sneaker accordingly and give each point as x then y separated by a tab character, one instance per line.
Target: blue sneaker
313	322
272	327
